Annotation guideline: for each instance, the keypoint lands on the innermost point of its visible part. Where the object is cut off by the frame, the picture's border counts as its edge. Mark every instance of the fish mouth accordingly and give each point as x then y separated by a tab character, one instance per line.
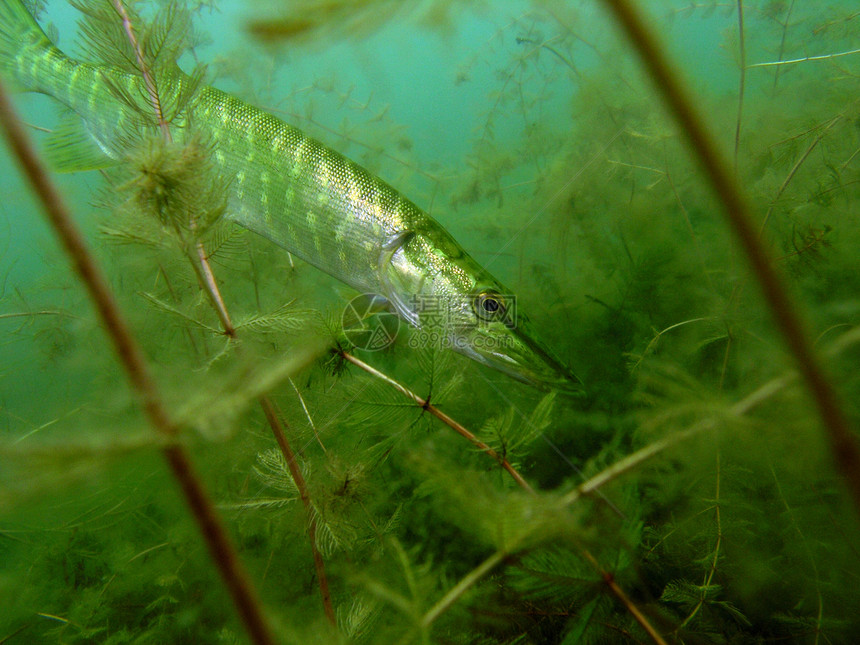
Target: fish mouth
555	374
533	364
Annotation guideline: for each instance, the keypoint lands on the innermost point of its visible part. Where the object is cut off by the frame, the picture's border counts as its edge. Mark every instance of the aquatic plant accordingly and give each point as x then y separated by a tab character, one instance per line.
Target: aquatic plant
691	496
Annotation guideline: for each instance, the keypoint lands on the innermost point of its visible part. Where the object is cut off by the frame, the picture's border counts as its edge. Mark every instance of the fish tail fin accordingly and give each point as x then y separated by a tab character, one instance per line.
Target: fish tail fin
29	61
24	47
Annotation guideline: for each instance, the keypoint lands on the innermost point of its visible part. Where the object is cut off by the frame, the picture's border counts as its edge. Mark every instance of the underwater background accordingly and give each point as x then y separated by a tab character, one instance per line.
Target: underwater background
691	495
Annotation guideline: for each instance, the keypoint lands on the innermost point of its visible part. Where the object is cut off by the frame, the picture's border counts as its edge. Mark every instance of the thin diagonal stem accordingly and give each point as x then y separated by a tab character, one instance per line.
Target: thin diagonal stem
29	314
490	563
715	558
626	464
274	420
742	407
793	172
843	444
466	583
218	542
424	404
624	599
206	278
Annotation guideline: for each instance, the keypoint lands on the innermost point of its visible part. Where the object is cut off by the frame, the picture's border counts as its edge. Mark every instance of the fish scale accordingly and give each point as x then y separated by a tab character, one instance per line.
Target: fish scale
306	198
324	208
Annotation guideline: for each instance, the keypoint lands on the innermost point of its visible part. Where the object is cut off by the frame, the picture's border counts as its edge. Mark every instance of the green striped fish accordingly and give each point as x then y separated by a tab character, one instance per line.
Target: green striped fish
308	199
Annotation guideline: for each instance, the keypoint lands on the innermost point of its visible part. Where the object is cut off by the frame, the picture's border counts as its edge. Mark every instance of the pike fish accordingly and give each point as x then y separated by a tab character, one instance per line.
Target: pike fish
308	199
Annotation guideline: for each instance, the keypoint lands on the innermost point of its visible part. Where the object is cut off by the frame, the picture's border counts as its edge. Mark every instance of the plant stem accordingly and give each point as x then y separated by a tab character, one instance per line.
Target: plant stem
843	444
794	170
805	59
642	455
444	418
466	582
782	42
220	547
630	461
490	563
742	80
28	314
206	277
308	415
709	577
148	81
619	593
274	420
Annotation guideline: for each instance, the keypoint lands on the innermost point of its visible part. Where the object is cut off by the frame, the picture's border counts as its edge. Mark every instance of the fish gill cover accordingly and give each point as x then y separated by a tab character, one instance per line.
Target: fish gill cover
689	496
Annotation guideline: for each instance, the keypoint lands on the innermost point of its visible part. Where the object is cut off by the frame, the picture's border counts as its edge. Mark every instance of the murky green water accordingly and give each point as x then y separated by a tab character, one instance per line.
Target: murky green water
531	133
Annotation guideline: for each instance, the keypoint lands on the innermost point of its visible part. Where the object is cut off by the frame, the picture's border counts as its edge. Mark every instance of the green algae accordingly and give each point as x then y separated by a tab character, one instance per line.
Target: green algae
581	193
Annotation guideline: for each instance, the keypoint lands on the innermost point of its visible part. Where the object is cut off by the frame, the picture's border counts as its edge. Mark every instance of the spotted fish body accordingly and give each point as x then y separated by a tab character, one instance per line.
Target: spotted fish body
306	198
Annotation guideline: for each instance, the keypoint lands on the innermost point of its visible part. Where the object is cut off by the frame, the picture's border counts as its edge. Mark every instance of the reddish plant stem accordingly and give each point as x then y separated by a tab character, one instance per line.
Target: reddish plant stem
148	80
843	444
200	263
204	271
220	547
208	283
206	278
444	418
498	557
624	599
274	420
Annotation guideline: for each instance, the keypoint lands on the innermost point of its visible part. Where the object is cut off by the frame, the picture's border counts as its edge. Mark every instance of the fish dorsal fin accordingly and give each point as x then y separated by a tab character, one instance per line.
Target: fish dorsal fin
72	148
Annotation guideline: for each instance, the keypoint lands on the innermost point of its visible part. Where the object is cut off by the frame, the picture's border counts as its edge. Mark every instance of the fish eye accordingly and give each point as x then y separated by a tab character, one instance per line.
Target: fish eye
489	305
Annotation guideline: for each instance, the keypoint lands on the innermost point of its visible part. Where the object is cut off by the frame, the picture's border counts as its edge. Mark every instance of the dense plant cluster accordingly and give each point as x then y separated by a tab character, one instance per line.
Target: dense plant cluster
690	496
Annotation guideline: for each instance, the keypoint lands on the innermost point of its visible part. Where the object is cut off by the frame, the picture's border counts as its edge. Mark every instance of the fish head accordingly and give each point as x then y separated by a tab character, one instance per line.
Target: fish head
454	302
496	334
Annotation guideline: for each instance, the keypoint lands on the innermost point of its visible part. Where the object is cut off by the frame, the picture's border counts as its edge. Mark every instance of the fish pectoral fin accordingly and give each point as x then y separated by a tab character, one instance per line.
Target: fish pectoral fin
392	294
71	148
370	304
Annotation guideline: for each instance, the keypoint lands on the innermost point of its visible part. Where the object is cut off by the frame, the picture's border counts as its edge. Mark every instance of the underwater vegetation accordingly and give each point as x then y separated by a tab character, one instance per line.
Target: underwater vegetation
701	490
